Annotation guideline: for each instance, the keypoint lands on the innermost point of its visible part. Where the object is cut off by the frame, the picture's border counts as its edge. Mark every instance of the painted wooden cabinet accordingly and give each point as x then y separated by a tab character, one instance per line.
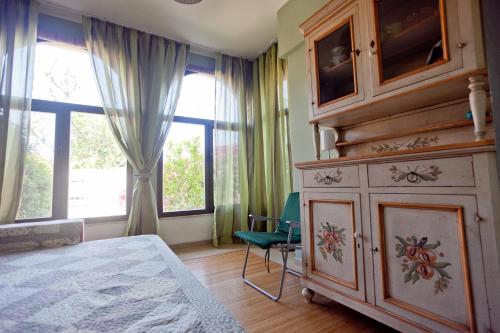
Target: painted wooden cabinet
404	226
404	239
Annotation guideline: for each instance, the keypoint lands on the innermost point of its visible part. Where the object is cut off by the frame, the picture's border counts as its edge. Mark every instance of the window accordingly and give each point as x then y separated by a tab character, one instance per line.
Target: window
64	74
97	169
185	169
36	197
74	168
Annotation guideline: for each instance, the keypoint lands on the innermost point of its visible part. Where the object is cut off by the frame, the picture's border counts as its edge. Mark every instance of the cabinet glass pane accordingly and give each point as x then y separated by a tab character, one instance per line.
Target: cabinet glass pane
410	37
335	65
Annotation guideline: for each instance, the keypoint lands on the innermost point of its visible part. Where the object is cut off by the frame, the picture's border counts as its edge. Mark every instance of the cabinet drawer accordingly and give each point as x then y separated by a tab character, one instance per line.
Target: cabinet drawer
332	177
455	171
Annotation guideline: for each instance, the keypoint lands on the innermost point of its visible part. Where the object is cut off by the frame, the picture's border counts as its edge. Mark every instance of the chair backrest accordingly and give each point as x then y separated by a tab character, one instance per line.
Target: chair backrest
291	212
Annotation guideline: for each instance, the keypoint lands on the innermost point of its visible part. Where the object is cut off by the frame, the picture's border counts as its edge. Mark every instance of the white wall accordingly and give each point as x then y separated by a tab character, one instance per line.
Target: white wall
173	230
291	46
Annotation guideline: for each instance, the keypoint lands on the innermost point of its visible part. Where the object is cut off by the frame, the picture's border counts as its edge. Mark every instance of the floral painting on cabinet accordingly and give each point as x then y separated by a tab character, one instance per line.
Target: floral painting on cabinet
420	260
331	240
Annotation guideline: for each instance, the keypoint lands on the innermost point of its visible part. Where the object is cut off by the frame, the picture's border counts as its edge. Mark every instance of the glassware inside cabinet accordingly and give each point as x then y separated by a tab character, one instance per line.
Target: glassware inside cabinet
335	75
410	35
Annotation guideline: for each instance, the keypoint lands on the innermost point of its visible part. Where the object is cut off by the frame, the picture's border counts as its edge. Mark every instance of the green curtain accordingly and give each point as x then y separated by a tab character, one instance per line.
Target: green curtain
18	26
230	148
252	153
271	180
139	76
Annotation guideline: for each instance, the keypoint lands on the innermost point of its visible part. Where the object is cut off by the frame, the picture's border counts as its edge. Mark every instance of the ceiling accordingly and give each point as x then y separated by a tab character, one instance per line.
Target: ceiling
237	27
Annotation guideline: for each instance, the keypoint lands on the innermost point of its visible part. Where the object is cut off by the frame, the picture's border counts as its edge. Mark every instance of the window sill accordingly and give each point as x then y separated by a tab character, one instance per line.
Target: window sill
185	213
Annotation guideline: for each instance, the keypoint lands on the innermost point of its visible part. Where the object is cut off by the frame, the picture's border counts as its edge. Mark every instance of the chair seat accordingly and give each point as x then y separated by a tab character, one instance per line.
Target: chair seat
264	240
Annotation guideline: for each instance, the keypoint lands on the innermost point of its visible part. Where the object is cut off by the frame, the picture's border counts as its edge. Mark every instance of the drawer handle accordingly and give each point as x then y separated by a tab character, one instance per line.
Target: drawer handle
418	174
329	178
357	235
375	250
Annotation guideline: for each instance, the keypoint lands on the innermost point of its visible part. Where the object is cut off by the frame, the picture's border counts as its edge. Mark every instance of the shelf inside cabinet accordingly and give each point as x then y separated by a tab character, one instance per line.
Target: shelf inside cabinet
342	69
410	38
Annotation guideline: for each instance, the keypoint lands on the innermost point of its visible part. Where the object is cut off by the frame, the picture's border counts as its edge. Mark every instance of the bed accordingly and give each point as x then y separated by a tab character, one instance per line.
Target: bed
132	284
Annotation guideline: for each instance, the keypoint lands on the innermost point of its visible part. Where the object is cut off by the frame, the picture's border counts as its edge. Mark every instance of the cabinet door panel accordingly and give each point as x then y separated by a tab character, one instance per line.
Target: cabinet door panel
335	256
424	258
412	41
336	71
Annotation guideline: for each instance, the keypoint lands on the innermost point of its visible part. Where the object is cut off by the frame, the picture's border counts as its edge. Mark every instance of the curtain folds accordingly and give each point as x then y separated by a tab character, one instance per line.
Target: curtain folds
272	175
232	84
252	153
18	27
139	76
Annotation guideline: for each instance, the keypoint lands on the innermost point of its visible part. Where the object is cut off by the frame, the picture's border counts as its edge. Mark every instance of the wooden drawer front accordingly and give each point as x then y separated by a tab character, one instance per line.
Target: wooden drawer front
428	259
333	241
332	177
455	171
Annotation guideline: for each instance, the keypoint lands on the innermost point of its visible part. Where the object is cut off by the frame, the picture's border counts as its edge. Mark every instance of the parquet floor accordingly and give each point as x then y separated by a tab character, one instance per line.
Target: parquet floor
221	274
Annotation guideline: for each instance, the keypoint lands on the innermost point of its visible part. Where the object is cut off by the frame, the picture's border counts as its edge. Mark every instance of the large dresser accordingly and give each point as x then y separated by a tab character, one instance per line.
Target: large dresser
404	224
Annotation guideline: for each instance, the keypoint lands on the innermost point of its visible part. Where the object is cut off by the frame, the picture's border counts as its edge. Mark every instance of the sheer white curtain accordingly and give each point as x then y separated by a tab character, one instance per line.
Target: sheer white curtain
139	76
18	24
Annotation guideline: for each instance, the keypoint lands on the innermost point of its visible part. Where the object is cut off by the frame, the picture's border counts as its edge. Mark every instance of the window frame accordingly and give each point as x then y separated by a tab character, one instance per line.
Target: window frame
60	180
209	172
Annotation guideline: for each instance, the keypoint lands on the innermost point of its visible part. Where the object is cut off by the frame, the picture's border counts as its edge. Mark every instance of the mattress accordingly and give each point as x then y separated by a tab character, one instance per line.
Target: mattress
132	284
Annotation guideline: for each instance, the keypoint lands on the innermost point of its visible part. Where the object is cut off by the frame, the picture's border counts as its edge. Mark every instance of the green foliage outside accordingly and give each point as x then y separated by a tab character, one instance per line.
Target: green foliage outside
183	176
92	143
37	190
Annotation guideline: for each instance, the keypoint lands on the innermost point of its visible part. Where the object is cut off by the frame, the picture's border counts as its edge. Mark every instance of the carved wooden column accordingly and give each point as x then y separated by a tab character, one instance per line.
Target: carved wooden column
316	141
477	101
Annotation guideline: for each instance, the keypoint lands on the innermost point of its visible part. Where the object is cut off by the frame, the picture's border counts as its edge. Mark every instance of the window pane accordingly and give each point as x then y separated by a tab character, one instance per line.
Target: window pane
64	74
197	98
36	198
184	168
98	169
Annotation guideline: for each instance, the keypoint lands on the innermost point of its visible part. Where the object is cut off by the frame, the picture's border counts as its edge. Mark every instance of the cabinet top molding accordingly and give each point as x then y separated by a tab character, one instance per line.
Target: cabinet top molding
323	14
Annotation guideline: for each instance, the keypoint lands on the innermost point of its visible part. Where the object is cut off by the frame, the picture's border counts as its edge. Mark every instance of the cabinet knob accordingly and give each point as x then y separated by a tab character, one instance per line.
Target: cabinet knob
373	50
357	235
478	219
375	250
461	45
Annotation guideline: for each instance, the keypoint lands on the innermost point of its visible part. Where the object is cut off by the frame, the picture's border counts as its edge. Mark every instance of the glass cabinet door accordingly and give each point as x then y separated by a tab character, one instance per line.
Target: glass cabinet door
335	62
335	73
410	36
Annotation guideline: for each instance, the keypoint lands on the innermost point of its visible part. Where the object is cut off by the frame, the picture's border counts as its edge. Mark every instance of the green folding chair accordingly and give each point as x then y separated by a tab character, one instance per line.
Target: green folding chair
286	237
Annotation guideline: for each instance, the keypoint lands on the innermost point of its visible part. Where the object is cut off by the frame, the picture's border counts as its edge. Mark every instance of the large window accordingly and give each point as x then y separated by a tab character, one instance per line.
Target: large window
74	168
185	170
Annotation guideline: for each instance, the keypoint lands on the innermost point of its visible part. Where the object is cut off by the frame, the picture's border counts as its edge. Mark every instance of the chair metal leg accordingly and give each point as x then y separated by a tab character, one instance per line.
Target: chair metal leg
253	285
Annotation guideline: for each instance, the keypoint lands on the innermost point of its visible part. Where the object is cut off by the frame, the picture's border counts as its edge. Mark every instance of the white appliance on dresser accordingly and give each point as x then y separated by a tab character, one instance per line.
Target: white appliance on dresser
404	226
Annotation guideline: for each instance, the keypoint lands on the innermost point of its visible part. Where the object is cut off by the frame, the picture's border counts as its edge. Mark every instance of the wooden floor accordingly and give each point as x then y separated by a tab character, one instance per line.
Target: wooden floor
221	274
